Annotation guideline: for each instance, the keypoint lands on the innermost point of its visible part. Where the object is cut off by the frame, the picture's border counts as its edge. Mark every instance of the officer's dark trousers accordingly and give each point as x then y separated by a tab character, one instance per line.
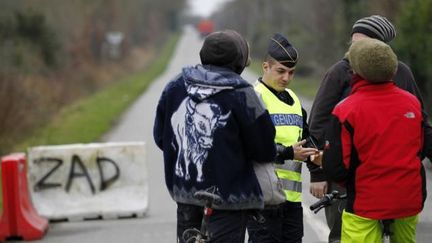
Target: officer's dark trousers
333	214
225	226
280	224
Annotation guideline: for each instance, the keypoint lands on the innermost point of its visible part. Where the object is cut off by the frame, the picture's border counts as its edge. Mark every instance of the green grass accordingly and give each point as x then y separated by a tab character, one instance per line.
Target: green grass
88	119
305	86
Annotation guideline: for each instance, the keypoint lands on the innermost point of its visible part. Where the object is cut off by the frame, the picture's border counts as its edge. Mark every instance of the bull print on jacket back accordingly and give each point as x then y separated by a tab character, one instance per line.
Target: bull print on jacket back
194	125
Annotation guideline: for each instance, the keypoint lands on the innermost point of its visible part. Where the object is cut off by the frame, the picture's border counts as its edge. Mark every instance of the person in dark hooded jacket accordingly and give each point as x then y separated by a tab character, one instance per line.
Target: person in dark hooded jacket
211	125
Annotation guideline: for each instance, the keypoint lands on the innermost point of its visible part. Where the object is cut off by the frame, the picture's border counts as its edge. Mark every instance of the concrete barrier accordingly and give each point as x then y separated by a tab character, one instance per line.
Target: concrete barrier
89	181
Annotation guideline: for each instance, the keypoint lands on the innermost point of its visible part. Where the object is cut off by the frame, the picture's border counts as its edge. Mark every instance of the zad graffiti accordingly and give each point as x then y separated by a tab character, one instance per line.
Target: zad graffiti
77	170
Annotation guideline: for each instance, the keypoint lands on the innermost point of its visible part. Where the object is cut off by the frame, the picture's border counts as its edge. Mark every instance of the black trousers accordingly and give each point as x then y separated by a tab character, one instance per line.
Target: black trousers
225	226
281	224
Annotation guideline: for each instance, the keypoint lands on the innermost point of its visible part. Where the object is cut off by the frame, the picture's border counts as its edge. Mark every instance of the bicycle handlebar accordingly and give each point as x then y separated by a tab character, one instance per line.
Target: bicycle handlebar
326	201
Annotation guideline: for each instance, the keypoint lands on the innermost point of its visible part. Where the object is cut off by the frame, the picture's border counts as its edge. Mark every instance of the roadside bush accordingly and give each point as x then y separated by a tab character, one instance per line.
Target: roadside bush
414	44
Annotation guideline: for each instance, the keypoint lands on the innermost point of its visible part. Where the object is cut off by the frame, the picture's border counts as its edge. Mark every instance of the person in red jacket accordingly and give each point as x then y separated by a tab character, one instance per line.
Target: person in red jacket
334	87
373	146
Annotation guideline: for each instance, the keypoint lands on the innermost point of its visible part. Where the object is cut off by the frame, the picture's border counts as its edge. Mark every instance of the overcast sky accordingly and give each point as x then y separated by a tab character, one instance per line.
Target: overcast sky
205	7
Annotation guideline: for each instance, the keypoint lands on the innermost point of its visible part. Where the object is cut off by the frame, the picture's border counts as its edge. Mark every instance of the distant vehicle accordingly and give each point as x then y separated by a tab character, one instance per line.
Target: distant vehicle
205	27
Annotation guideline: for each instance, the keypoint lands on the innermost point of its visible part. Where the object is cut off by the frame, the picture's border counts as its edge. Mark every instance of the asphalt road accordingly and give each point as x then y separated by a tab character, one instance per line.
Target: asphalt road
159	224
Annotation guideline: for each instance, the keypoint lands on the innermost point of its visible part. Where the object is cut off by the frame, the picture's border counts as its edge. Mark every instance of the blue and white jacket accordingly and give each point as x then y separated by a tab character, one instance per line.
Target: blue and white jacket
211	125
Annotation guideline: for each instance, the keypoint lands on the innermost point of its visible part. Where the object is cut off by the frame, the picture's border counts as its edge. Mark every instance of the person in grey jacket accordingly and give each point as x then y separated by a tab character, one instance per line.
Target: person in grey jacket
335	87
211	126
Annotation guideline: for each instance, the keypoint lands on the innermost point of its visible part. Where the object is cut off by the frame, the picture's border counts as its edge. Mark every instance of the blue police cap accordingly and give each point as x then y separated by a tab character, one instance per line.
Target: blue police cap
282	51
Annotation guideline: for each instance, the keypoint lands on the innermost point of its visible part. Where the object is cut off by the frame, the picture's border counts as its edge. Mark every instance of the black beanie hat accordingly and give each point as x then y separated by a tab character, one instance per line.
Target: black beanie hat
225	49
375	26
282	51
373	60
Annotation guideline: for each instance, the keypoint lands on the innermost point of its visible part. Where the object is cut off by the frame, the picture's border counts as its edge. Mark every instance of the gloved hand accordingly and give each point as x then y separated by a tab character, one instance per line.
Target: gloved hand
283	153
296	151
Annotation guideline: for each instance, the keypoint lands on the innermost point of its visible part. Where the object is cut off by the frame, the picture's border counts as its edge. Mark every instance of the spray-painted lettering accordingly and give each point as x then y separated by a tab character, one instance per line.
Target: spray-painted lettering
77	170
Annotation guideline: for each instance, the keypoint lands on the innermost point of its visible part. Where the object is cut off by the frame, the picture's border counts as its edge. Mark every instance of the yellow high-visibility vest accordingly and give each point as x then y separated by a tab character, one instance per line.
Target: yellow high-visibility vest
288	121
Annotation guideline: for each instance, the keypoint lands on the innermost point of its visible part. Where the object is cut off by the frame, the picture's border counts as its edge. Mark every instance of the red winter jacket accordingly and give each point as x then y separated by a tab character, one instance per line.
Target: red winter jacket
377	133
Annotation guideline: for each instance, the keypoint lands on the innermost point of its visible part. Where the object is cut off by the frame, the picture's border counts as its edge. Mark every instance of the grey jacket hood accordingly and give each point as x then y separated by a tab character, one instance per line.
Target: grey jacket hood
204	81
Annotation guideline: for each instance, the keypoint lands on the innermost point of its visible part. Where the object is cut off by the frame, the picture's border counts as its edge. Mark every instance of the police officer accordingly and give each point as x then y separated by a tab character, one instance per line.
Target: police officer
284	222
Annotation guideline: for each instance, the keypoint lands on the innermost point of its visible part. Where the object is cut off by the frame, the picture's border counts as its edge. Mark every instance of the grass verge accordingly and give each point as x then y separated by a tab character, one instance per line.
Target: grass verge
88	119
